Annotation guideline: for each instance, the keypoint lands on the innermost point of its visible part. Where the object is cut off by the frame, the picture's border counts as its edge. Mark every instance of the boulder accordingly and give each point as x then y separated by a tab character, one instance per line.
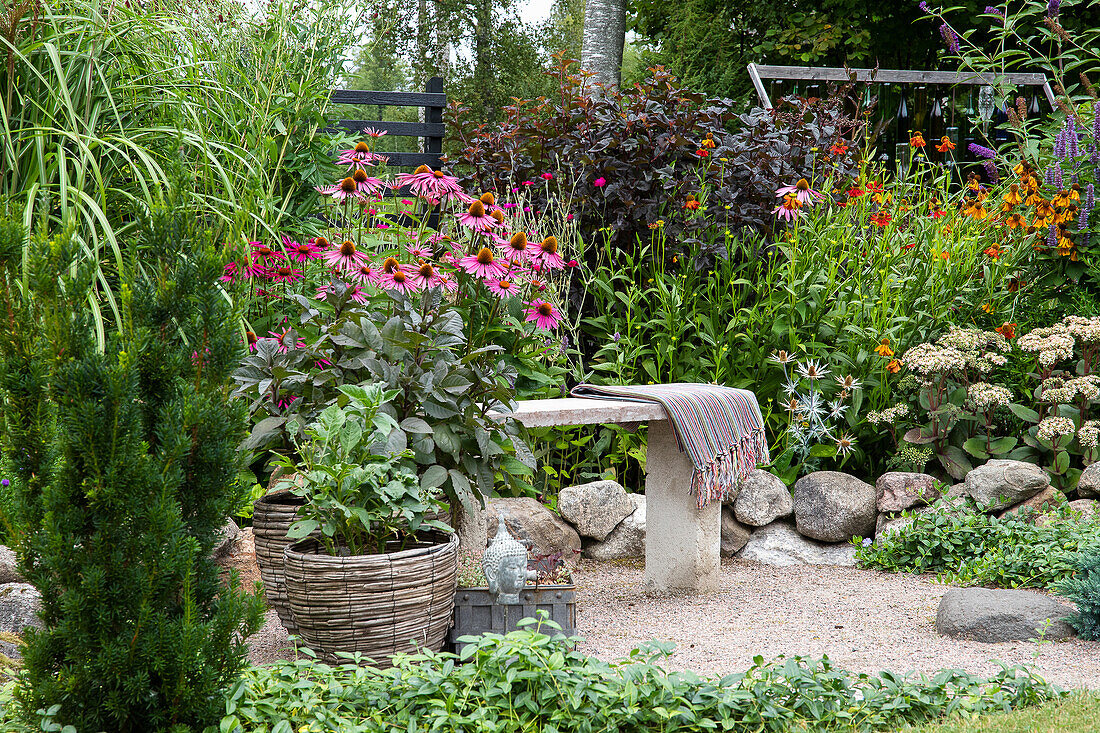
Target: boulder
20	605
1088	486
897	491
734	534
995	614
1047	499
627	539
780	544
888	525
9	567
1001	483
1082	510
595	508
763	499
530	522
226	535
834	507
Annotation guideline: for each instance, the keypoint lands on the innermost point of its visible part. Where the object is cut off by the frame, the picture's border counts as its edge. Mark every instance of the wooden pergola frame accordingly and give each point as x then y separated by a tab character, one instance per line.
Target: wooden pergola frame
759	72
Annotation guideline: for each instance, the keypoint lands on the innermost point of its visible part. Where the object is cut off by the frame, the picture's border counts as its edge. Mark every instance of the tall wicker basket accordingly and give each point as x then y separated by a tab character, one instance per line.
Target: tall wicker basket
377	605
271	518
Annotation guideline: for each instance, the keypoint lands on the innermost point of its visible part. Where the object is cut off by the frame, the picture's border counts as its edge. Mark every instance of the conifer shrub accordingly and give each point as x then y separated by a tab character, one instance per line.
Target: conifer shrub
1083	588
121	452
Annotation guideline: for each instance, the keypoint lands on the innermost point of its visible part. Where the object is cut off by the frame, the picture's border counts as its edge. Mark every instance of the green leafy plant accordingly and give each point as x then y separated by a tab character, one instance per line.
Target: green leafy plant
964	546
128	474
358	498
534	678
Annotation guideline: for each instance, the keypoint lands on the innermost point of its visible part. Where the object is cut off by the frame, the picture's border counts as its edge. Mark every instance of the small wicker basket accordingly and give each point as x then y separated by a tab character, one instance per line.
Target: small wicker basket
377	605
272	516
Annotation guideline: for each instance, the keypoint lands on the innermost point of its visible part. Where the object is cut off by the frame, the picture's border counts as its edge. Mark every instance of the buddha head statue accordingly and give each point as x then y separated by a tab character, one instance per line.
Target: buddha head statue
505	564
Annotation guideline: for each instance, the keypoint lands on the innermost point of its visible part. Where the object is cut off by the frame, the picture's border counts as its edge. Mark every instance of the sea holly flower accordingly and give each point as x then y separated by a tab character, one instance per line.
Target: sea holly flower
346	256
812	370
845	444
483	264
800	190
543	314
435	186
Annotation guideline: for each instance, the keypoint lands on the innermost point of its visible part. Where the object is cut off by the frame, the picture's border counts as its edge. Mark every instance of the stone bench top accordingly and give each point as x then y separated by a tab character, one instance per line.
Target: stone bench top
585	411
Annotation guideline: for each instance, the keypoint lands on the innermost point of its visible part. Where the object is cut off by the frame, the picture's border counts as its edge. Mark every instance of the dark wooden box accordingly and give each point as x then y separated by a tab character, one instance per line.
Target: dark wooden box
475	612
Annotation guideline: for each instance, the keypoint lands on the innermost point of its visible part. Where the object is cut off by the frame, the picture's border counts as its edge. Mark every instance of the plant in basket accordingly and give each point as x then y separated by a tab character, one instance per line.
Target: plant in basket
367	556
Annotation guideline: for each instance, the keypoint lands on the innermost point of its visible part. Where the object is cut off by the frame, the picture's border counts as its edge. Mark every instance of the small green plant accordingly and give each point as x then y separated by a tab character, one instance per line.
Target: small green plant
535	679
968	547
1084	590
360	496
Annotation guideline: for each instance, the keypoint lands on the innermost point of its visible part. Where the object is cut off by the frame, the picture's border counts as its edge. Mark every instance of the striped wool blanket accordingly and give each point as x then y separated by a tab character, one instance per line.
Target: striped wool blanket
720	428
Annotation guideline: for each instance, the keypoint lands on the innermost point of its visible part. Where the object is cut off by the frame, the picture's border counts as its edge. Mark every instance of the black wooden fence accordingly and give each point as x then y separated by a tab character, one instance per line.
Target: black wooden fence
431	130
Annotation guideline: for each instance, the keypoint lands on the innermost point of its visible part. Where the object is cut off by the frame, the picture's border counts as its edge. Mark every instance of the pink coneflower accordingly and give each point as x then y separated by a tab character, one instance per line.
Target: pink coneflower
425	275
371	132
432	185
537	284
547	254
800	190
419	252
475	218
448	283
229	272
502	288
789	209
400	281
250	339
490	203
390	265
543	313
304	251
367	273
358	157
285	274
346	188
483	264
364	184
265	254
284	344
345	257
517	248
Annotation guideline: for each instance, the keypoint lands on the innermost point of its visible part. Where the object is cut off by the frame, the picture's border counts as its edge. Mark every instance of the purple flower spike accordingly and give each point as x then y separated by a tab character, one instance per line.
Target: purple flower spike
981	151
1052	236
5	483
924	7
991	172
993	10
950	38
1052	7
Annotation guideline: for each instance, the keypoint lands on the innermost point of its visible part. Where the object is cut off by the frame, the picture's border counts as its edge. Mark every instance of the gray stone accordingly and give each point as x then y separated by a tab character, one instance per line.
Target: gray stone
226	535
1043	502
1088	508
595	508
1001	483
780	544
995	614
20	605
888	525
627	539
9	568
834	507
1088	486
763	499
530	522
897	491
734	534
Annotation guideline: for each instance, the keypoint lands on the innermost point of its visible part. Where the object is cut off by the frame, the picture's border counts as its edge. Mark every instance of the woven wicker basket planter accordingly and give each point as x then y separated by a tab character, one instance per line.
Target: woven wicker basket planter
272	517
377	605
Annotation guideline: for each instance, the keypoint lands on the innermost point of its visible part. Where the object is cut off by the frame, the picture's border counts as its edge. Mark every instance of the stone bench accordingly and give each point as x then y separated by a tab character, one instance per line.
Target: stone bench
682	542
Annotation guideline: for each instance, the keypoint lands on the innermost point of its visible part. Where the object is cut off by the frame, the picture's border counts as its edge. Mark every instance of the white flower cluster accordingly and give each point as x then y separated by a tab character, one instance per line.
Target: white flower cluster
1060	391
985	396
1056	427
982	350
889	415
1086	330
929	359
1089	434
1052	344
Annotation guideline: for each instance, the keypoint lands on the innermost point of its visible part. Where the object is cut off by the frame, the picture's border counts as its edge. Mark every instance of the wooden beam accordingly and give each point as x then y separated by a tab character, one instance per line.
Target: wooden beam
389	99
911	76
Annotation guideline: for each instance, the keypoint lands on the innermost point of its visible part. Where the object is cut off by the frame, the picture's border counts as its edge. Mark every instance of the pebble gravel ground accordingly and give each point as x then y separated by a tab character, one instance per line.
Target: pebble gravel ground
864	620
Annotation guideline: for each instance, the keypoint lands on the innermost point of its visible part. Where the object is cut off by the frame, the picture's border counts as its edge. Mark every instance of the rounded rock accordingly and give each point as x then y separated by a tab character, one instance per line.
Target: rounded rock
834	507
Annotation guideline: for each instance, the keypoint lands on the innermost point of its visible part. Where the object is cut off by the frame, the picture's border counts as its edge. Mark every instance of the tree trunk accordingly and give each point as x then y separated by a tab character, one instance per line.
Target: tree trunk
604	37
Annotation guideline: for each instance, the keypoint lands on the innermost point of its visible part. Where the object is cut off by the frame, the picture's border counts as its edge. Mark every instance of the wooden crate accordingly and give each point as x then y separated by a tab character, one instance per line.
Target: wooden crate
475	612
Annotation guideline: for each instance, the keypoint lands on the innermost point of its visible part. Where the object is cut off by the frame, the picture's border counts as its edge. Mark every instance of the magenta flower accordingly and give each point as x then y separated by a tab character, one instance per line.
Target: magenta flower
265	254
359	157
546	176
543	313
303	251
546	255
434	186
400	281
477	219
425	275
285	274
345	257
516	249
800	190
229	272
367	185
367	274
789	209
345	189
419	252
284	344
357	293
371	132
483	264
600	182
502	288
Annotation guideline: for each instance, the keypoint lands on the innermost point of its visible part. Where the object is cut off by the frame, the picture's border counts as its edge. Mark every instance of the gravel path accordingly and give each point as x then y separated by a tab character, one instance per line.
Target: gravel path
864	620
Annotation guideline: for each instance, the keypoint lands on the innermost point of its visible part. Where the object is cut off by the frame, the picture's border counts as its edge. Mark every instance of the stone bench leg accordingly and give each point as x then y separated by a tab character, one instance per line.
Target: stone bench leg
682	542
